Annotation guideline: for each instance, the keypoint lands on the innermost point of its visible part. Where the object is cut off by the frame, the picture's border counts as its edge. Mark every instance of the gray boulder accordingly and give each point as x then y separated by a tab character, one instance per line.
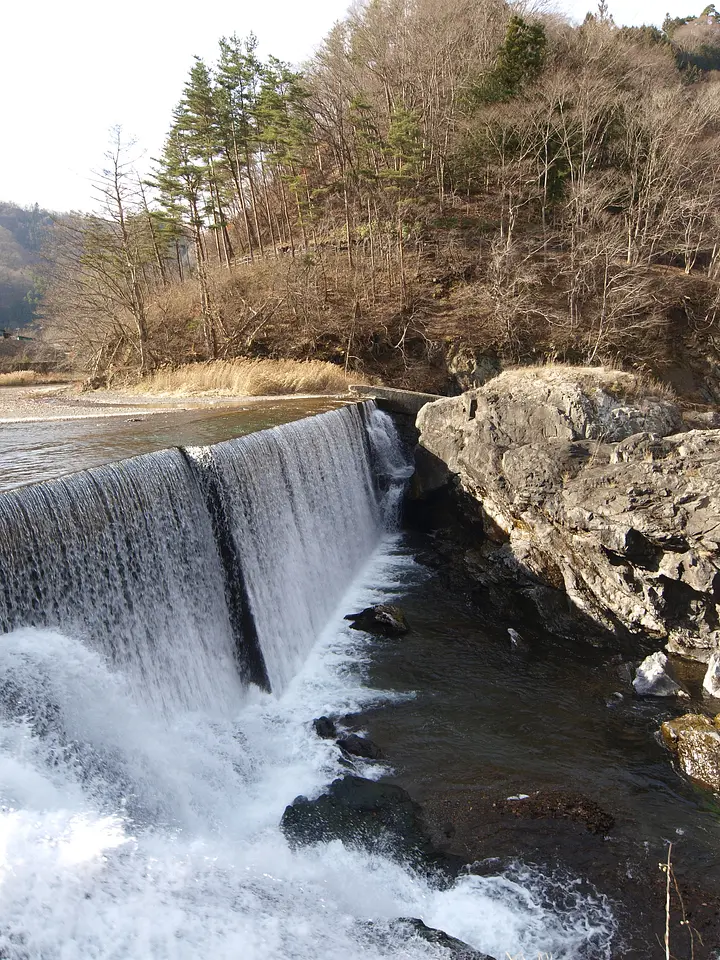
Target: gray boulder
592	489
654	678
711	683
469	367
384	619
353	745
695	740
368	814
325	728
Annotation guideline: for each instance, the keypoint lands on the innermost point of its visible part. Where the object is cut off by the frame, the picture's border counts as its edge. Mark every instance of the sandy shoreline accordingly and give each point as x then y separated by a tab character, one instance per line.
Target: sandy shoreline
34	404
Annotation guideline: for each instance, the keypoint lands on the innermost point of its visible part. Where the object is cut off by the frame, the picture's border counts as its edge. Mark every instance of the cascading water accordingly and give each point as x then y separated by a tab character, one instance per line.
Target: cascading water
123	556
304	513
143	777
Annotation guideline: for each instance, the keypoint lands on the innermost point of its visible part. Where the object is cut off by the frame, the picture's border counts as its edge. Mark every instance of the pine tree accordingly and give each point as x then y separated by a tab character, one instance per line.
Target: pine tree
238	75
284	131
179	180
519	61
197	116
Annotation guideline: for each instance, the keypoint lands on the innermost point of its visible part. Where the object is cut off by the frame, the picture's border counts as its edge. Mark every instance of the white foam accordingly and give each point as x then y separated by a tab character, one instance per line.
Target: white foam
188	860
141	785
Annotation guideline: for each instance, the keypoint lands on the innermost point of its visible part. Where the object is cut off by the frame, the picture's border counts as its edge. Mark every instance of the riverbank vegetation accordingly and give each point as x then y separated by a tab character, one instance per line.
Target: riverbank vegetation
440	173
246	378
30	378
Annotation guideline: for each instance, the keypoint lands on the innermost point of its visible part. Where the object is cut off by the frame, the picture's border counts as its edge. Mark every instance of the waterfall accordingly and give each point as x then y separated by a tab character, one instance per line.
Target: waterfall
124	557
147	606
305	510
196	571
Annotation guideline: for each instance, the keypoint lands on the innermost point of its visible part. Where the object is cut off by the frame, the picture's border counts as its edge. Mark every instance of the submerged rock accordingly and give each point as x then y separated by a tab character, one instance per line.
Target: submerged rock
517	642
413	927
654	678
364	813
711	683
626	671
592	491
559	805
356	746
695	739
515	639
385	619
325	728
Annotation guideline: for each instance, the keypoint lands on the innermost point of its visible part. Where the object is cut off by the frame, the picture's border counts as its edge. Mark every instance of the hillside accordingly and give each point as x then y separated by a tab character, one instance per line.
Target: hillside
444	189
21	232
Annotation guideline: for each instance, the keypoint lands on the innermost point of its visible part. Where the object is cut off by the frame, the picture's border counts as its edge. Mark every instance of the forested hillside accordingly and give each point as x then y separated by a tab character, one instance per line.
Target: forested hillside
21	233
447	185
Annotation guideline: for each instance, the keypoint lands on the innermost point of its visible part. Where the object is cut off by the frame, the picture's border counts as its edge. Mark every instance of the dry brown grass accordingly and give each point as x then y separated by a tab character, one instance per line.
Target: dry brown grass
623	384
29	378
247	378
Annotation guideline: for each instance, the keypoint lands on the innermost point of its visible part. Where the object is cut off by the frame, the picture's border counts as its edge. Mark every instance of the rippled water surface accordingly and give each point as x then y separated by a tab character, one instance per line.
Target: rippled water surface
483	719
37	450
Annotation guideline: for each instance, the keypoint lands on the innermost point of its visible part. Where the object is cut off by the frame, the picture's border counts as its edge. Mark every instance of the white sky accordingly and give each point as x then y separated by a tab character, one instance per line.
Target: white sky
71	70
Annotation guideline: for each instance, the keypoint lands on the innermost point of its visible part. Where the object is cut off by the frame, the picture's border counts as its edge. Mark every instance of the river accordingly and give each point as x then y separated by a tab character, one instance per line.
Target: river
144	770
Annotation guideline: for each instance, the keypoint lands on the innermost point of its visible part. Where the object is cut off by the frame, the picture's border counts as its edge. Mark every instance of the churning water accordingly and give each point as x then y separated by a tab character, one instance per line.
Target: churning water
173	624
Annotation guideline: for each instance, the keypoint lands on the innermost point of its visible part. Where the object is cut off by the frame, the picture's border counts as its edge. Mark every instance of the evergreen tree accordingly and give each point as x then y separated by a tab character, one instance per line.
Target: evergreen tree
197	116
285	133
238	77
179	180
519	61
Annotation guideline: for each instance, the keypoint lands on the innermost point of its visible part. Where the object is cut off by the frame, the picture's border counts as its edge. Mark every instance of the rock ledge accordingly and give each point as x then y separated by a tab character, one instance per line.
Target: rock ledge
592	489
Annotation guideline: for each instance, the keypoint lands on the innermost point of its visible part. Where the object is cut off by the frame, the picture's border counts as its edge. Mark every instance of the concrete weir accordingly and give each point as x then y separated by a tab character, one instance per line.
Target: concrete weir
405	402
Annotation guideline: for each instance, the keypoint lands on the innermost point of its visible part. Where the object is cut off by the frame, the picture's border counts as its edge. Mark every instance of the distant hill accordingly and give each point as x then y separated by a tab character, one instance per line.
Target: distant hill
21	234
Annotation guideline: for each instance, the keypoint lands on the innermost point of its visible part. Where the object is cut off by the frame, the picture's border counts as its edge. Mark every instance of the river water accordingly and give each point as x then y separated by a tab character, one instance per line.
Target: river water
476	719
39	450
143	774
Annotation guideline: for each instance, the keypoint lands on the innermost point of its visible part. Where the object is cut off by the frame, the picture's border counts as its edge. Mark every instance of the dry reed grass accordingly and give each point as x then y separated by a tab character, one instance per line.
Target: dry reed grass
247	378
624	384
29	378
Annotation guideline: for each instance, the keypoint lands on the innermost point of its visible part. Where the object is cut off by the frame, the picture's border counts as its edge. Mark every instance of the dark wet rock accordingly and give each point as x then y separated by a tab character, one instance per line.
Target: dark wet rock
325	728
695	740
365	813
384	619
655	678
356	746
473	827
559	805
412	927
626	672
598	506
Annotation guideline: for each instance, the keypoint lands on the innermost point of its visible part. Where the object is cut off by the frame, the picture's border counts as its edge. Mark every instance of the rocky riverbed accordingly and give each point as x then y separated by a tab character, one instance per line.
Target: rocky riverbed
580	507
542	756
536	760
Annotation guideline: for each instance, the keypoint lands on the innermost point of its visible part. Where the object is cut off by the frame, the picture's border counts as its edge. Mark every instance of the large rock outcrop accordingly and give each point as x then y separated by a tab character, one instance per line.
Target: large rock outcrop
590	487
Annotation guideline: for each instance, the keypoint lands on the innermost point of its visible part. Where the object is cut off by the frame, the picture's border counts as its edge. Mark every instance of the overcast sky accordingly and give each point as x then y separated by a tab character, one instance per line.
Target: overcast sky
71	70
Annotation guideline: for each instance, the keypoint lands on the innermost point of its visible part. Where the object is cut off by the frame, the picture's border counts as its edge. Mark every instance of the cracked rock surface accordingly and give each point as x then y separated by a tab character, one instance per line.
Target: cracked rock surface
591	487
695	740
